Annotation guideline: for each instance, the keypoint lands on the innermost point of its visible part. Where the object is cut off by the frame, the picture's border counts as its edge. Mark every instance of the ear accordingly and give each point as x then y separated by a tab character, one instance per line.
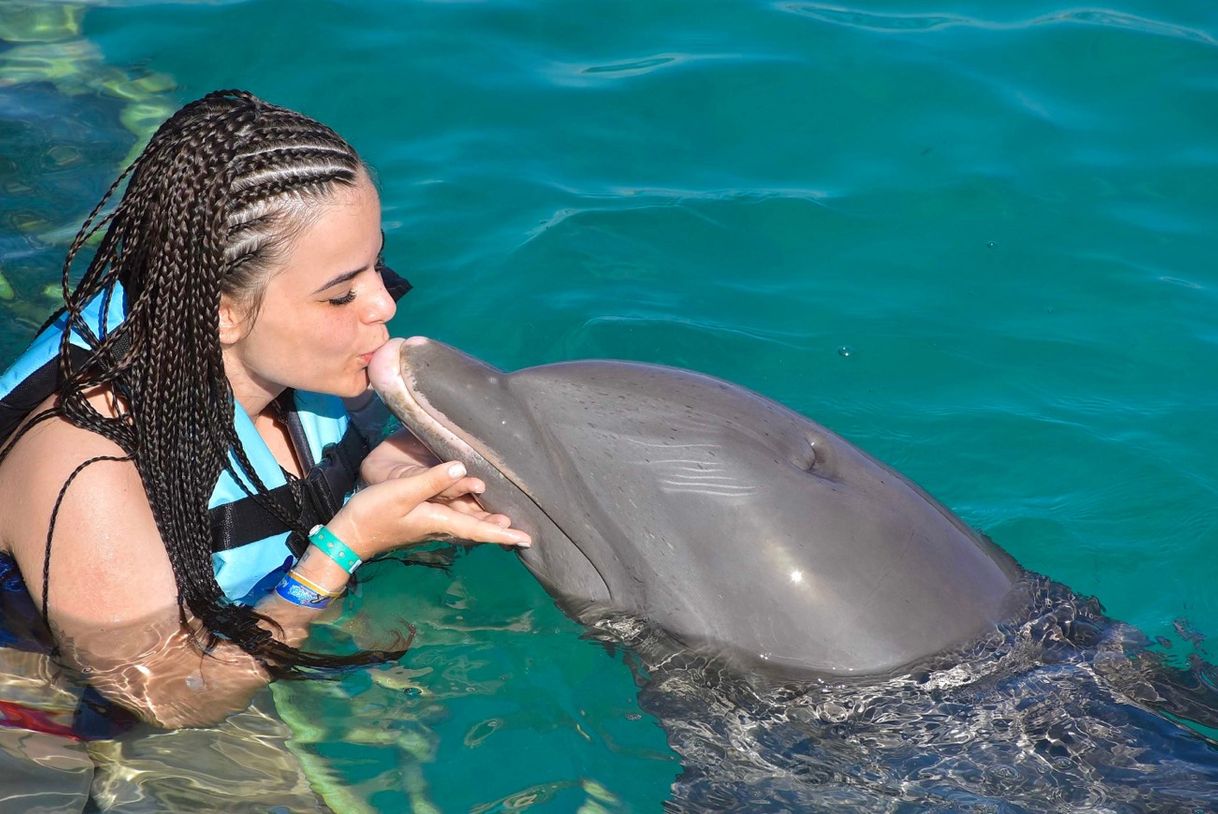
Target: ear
233	327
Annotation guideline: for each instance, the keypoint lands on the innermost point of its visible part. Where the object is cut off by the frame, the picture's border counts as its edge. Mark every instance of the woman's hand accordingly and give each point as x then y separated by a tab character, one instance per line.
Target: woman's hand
398	455
419	504
402	455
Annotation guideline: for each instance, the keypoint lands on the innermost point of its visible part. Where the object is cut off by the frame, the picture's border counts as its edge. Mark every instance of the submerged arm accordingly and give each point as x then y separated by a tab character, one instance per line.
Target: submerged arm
112	598
112	594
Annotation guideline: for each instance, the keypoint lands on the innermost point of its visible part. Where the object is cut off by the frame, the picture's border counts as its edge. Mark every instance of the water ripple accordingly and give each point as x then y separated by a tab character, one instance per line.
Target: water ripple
748	332
585	73
914	23
645	197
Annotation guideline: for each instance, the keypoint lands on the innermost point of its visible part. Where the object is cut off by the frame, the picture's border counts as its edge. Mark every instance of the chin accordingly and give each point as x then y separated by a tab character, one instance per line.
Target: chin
344	389
358	387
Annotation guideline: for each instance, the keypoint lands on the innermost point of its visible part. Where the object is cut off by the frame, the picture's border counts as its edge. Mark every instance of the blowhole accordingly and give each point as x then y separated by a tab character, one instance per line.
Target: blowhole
806	458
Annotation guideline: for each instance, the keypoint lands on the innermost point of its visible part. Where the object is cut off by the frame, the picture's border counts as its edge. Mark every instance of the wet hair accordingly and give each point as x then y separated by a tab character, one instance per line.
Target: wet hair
212	205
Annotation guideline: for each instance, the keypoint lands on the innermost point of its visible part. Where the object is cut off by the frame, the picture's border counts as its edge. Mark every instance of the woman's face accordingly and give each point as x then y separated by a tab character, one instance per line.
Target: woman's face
322	314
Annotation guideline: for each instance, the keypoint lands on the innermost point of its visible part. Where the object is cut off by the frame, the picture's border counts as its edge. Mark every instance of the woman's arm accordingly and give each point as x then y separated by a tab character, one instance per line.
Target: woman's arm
112	593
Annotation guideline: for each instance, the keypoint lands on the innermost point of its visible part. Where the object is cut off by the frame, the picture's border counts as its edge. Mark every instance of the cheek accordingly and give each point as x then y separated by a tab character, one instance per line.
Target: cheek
307	347
337	333
345	325
289	344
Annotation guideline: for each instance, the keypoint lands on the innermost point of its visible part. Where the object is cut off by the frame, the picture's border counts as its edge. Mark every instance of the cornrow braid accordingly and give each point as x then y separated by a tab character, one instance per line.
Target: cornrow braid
210	208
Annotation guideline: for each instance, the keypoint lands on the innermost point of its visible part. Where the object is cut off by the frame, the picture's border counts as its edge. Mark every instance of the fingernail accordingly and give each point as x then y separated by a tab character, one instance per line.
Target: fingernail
456	470
522	540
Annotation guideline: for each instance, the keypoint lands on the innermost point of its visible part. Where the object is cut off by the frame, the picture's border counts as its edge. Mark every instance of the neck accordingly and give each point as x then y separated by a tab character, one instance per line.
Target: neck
251	393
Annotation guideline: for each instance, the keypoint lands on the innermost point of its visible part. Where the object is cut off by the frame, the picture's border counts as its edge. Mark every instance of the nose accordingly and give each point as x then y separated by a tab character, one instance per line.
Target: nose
381	305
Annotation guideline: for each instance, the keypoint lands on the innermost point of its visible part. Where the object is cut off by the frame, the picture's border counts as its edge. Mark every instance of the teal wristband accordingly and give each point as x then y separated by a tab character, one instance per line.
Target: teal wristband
334	548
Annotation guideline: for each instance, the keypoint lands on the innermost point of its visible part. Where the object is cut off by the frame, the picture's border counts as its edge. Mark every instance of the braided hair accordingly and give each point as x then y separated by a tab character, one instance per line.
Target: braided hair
211	207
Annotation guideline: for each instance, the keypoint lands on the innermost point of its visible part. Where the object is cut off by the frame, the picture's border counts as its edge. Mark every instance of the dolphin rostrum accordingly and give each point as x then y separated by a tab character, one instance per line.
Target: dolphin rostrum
723	517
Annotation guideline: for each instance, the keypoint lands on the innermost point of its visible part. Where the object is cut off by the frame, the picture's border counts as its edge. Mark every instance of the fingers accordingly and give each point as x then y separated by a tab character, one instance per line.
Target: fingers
461	498
477	530
433	482
468	503
406	471
465	486
501	520
433	504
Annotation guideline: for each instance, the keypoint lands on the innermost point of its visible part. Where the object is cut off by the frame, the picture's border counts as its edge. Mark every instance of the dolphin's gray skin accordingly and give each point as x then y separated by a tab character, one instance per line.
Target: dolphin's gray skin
724	517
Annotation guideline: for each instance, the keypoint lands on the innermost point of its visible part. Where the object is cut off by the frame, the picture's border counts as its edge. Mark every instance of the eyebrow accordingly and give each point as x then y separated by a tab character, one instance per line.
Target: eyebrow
342	278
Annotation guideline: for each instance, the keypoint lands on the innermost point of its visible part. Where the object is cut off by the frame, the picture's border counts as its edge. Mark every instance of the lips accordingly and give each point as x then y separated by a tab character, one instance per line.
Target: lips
365	358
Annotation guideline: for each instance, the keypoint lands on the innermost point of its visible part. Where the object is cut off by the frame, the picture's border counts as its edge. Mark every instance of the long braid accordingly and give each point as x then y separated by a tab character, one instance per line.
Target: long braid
207	211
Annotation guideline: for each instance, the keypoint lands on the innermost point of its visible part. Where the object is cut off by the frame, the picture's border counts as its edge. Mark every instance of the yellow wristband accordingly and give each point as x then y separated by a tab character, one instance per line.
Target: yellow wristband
313	586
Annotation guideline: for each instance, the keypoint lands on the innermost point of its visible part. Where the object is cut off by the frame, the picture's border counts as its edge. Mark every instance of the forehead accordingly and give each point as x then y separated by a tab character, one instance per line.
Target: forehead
359	204
345	231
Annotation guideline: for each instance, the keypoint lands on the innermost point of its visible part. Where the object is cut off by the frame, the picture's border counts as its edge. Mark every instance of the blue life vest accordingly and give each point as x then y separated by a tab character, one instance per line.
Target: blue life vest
248	565
251	546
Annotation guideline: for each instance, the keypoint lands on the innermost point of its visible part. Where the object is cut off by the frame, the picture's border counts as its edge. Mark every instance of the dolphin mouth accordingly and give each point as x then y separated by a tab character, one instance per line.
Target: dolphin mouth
399	387
397	390
420	410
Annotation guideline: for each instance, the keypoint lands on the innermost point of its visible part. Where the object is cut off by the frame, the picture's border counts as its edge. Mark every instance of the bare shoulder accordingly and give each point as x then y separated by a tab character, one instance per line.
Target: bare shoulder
42	461
107	558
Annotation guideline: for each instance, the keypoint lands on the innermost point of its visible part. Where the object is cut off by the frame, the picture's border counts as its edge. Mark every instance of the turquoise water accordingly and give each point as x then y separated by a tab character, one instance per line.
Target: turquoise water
977	242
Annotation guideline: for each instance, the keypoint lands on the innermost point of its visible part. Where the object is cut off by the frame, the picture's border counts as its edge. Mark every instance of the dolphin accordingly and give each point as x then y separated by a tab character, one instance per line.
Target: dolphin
729	520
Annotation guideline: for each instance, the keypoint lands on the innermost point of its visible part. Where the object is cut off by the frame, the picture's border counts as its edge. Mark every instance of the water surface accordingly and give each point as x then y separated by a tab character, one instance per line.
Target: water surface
977	242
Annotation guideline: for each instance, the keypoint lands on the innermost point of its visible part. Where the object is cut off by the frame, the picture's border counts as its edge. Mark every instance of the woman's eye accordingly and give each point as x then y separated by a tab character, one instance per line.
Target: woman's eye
344	299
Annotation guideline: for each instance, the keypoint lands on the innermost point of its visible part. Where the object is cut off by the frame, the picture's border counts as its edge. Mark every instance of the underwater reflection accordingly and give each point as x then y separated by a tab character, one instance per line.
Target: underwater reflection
63	749
65	745
242	764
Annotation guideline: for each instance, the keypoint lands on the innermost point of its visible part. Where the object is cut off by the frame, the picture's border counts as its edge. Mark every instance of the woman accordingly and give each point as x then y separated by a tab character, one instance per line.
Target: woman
173	440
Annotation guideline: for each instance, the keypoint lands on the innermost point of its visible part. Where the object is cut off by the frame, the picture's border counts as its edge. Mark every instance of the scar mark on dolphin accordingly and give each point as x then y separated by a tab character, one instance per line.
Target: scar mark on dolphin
692	464
666	445
717	490
703	483
685	469
703	478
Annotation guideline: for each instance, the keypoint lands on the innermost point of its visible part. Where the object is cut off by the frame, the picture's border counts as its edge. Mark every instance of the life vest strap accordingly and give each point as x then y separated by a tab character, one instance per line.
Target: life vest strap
33	390
321	491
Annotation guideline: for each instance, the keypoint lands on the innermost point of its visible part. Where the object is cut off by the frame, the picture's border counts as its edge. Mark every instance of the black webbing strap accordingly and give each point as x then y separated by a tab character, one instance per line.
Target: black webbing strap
321	492
31	392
